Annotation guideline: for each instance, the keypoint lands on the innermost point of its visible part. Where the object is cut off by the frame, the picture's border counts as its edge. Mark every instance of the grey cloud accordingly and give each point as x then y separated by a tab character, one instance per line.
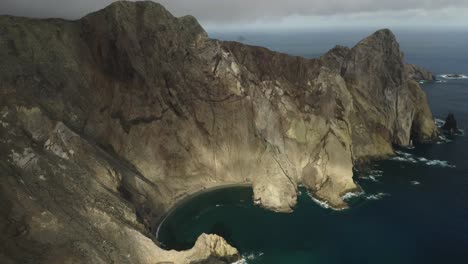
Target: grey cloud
68	9
229	11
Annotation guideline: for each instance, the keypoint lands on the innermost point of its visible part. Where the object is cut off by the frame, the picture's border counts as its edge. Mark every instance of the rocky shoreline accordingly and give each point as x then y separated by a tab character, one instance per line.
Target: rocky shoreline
108	121
187	198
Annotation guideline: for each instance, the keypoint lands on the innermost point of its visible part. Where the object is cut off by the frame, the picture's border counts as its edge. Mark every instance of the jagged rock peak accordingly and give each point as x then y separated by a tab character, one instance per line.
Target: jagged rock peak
382	43
146	12
382	35
120	8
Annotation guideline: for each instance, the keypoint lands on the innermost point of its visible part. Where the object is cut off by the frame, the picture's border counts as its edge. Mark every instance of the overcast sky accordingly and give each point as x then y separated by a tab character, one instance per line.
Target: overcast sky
274	14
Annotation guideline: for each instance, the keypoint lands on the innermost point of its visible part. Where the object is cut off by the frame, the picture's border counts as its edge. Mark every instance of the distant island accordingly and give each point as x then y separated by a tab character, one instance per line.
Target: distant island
454	76
241	38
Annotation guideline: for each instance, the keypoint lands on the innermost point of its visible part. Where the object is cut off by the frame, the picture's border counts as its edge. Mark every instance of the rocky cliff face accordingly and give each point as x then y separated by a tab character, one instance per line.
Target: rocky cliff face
108	121
418	73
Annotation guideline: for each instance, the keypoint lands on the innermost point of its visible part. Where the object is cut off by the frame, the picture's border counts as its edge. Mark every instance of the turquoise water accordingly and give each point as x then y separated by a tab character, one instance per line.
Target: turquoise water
414	208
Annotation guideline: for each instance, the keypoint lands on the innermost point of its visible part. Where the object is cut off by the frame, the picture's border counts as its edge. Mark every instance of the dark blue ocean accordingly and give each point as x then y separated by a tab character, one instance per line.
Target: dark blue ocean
414	209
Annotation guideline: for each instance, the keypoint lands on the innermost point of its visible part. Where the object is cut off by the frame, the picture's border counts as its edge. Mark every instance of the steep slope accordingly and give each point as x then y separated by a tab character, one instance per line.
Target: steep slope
418	73
386	108
108	121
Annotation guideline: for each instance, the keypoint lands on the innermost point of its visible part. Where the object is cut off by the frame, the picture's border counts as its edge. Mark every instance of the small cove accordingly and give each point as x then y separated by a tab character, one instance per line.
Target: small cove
394	221
414	208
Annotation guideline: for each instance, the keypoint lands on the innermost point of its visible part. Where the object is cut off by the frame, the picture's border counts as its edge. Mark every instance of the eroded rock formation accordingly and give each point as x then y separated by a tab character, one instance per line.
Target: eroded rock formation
418	73
108	121
450	126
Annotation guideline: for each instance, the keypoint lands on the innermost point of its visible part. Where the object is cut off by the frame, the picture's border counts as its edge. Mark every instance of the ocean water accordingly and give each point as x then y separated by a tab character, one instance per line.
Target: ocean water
414	208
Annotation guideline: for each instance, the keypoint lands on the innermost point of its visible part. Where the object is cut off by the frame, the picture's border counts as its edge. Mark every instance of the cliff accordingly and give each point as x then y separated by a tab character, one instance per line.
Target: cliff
108	121
418	73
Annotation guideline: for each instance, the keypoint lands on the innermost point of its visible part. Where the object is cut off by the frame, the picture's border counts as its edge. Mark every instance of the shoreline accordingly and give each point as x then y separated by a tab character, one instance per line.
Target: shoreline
190	195
187	197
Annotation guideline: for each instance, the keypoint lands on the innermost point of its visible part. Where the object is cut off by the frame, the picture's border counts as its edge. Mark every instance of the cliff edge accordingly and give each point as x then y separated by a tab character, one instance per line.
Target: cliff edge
108	121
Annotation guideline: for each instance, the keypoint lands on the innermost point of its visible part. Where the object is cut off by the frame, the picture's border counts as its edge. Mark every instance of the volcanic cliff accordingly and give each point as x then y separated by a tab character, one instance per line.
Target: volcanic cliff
108	121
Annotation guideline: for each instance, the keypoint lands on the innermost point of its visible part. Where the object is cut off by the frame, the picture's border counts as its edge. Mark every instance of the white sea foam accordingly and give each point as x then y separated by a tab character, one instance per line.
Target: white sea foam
241	261
404	159
351	195
415	183
373	175
410	146
377	196
410	158
439	122
253	256
439	163
404	154
372	178
249	256
443	140
322	204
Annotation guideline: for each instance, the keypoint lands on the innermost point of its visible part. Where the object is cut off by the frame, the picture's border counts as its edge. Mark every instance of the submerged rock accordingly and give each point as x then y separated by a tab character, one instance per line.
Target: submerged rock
108	121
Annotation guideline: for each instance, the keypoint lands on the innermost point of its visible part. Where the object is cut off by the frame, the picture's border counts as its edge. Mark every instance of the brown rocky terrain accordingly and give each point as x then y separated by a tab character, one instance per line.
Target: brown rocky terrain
108	121
418	73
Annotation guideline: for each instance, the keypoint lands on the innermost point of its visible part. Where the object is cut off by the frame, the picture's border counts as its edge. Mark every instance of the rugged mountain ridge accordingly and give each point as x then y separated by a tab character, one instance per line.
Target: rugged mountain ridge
108	121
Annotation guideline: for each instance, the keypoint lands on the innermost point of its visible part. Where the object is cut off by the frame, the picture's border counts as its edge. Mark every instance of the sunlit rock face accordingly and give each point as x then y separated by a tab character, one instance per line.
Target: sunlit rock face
108	121
387	105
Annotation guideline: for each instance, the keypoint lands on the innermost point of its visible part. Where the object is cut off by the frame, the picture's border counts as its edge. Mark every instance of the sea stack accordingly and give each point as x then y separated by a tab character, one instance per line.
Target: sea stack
450	126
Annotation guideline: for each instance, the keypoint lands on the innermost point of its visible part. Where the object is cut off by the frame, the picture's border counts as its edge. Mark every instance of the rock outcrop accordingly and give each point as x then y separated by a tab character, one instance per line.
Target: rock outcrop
418	73
450	126
108	121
